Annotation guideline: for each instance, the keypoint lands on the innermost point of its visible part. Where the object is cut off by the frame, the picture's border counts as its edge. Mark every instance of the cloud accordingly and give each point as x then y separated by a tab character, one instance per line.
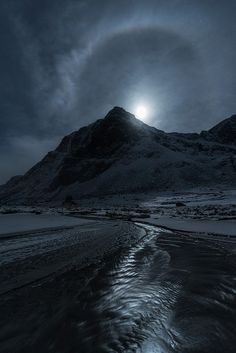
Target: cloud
65	63
19	153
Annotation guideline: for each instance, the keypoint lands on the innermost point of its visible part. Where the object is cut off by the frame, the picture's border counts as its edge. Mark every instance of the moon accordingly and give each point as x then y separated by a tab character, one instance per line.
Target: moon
142	113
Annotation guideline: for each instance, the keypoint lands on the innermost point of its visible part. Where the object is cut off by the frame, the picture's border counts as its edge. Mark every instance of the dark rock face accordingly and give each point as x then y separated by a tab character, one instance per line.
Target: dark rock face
93	149
105	136
81	171
122	154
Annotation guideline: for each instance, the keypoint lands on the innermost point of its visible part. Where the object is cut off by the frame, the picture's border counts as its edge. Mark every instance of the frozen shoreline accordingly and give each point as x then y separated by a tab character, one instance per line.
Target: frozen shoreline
211	227
24	222
209	212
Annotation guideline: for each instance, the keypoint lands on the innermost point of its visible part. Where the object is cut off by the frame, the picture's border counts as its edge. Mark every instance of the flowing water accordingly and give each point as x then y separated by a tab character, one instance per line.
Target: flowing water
169	293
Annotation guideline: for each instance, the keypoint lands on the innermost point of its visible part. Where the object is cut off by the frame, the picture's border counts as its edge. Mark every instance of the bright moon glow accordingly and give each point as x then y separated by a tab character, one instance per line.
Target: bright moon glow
141	113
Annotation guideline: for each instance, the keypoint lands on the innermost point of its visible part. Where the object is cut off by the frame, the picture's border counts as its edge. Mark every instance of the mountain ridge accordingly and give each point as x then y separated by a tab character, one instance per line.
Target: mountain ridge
119	154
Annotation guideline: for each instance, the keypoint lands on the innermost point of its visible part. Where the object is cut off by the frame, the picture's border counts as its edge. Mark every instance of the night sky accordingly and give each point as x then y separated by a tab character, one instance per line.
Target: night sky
65	63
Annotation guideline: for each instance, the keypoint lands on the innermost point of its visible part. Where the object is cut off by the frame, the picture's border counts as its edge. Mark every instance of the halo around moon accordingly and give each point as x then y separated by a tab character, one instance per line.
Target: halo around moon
142	113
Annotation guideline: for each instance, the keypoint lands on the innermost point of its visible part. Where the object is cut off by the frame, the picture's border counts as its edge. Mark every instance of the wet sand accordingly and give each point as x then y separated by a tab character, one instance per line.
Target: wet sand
162	292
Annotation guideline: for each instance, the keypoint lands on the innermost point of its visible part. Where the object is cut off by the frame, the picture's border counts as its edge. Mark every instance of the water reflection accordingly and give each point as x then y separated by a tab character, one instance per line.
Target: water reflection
167	294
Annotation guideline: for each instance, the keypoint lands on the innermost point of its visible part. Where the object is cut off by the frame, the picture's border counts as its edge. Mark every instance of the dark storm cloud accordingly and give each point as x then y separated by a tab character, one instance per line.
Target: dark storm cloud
65	63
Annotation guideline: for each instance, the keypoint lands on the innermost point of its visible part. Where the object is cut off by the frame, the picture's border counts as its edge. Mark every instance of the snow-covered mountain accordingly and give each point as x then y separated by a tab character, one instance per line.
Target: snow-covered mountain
120	154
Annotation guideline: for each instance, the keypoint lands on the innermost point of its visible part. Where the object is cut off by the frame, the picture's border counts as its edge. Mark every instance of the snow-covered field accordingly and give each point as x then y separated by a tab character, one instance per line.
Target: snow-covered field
200	211
205	211
211	227
24	222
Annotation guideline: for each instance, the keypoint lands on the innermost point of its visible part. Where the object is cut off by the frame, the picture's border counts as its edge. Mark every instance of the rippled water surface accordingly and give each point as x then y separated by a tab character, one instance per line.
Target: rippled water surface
169	293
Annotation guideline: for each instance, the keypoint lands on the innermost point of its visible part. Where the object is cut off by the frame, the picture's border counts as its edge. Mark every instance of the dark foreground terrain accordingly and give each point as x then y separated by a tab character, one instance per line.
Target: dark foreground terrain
162	292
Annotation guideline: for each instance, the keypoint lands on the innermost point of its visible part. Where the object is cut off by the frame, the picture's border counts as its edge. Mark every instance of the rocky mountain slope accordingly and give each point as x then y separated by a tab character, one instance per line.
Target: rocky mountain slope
120	154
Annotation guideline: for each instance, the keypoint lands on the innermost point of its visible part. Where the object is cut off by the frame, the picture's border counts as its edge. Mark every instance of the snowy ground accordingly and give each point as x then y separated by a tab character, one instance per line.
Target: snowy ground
210	211
211	227
24	222
205	211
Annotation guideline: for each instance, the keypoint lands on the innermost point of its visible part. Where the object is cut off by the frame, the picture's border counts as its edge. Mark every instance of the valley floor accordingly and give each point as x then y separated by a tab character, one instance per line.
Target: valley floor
200	211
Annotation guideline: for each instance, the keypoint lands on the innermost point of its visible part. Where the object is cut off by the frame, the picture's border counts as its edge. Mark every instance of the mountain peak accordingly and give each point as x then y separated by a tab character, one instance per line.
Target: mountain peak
118	112
119	117
116	128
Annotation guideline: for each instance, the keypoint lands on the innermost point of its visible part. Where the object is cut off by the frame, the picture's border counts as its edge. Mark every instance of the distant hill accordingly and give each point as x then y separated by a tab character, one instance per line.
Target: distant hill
120	154
225	131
